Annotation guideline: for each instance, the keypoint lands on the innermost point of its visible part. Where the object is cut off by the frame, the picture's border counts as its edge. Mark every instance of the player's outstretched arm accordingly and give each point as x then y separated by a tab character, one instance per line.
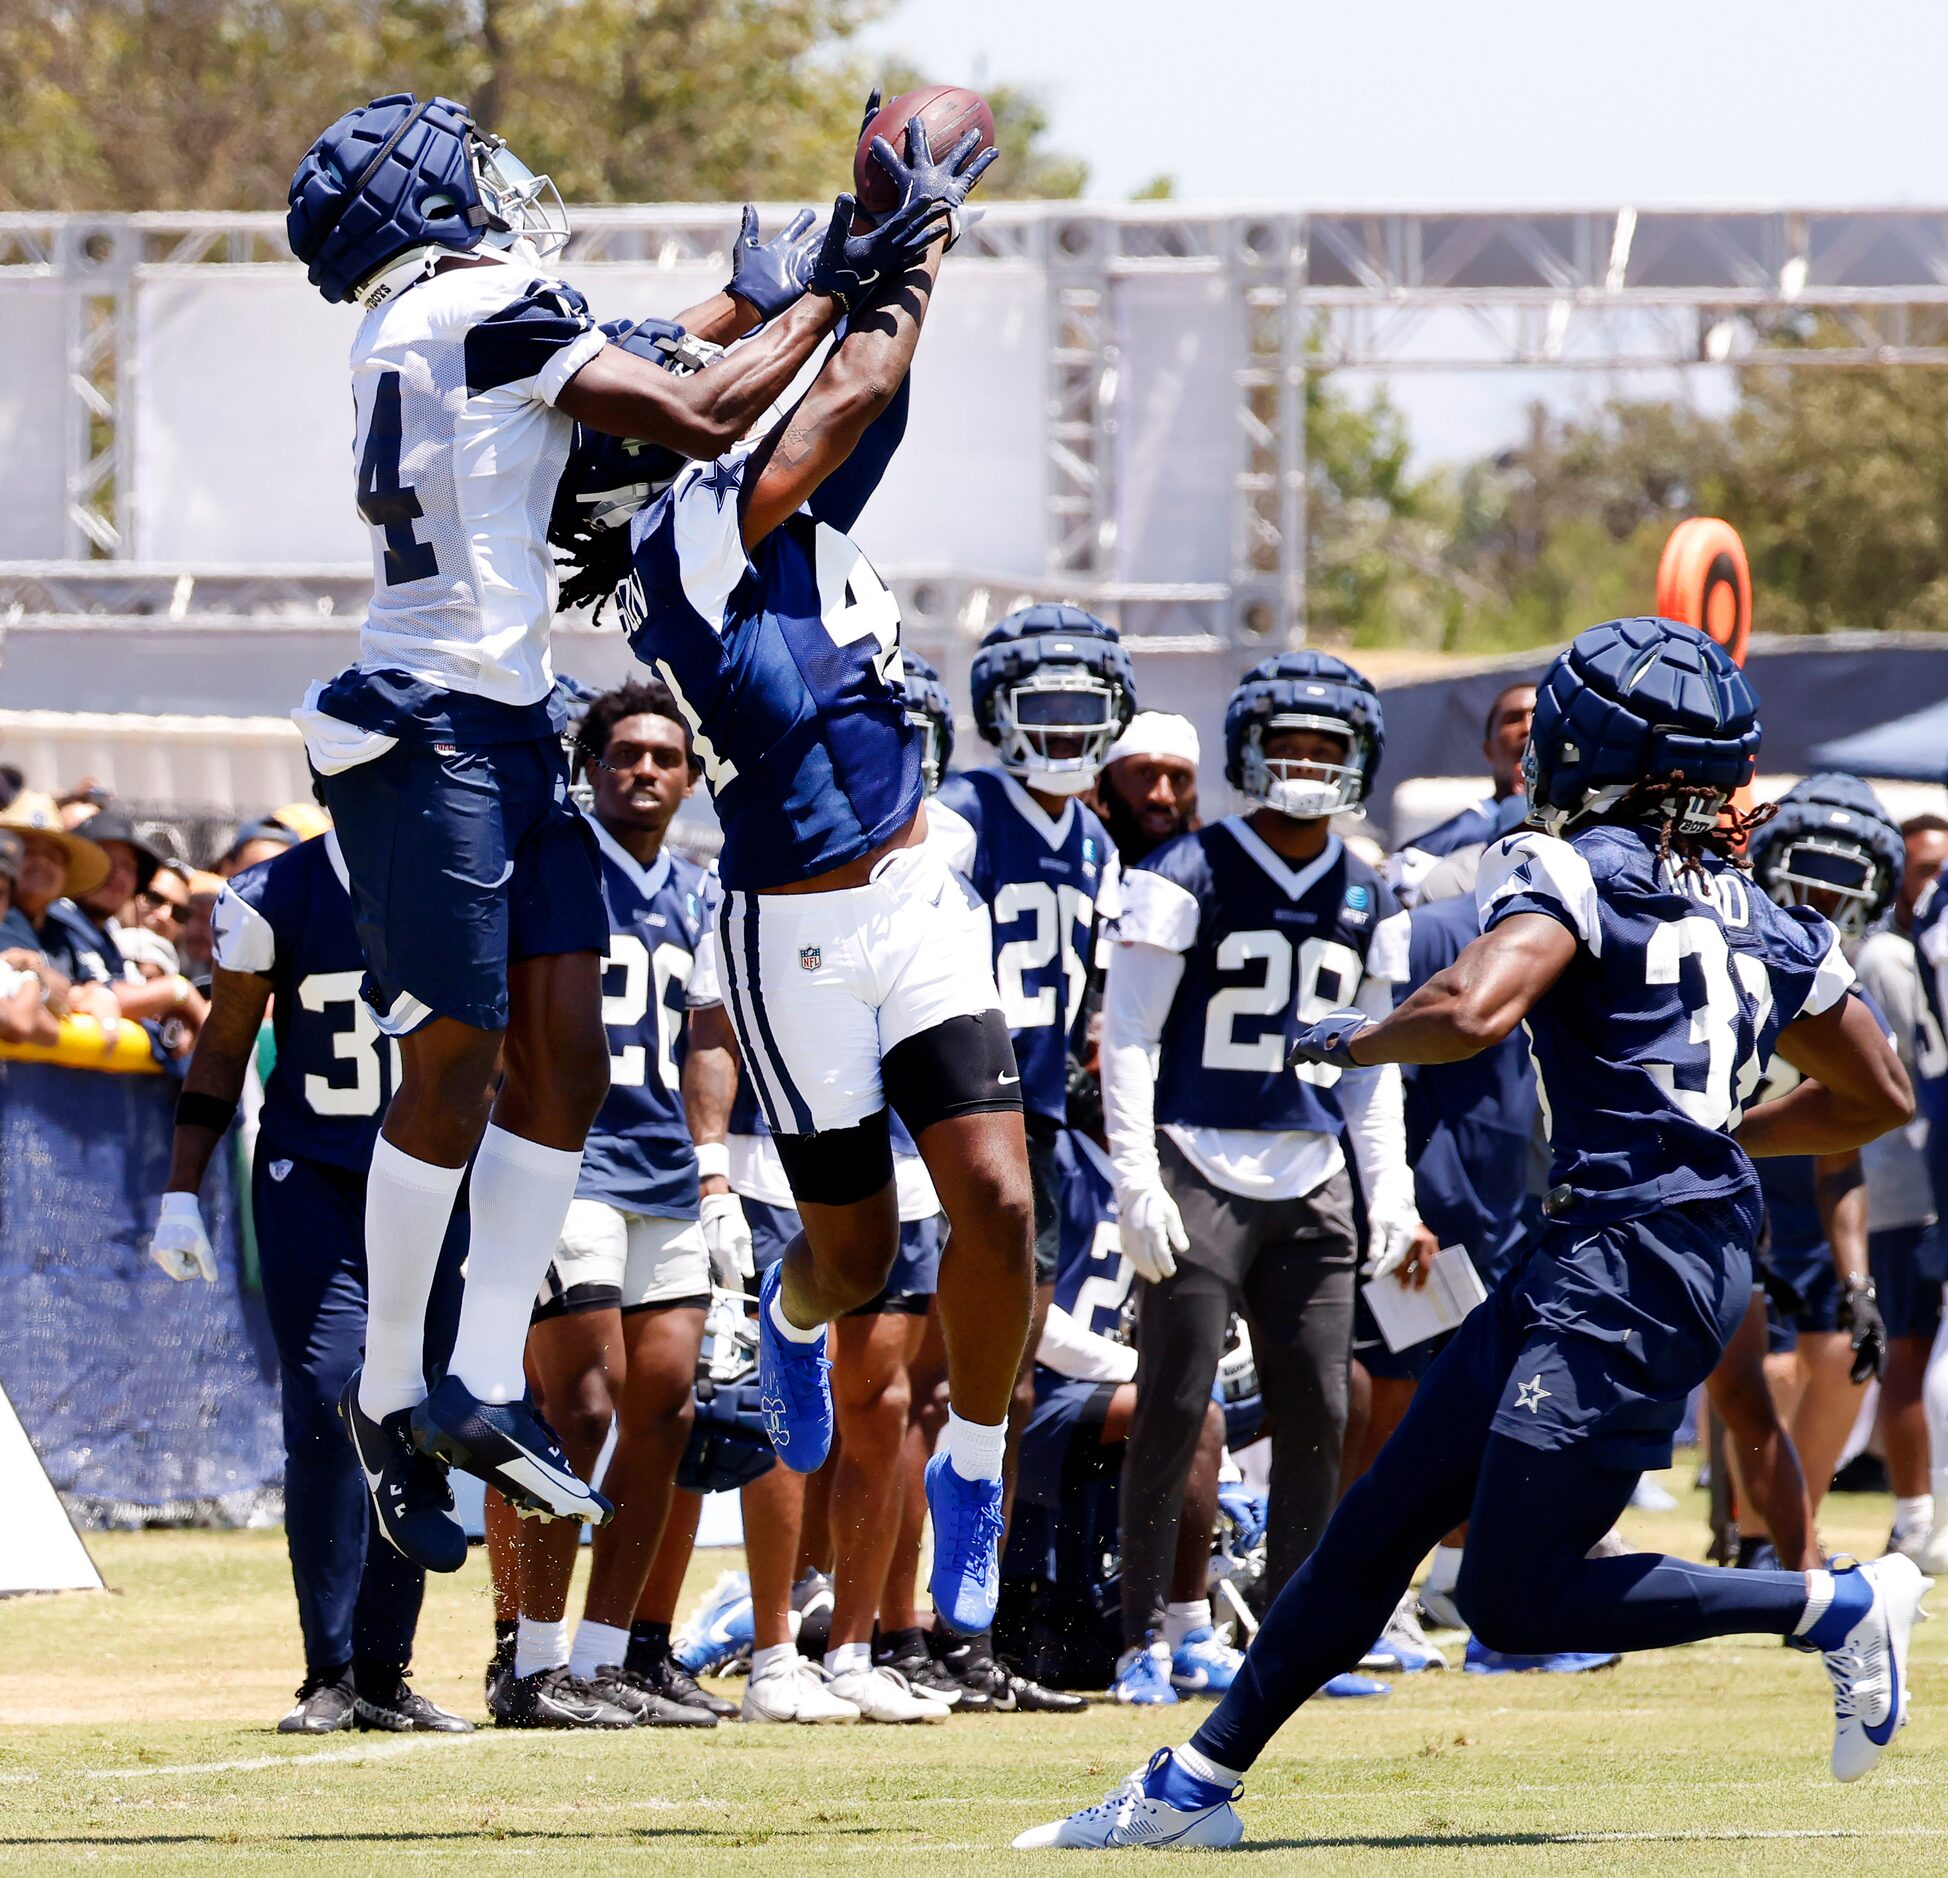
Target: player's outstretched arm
704	413
1854	1090
1465	1009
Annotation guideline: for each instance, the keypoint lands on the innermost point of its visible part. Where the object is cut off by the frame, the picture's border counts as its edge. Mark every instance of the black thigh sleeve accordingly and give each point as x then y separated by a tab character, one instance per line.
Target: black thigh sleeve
841	1165
965	1066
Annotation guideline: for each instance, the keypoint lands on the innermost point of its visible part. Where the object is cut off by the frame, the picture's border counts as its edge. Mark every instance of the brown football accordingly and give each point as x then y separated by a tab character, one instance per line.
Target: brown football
949	113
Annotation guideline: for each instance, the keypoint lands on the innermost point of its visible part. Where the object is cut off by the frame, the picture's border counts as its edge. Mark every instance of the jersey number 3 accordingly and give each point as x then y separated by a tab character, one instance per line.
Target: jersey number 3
383	499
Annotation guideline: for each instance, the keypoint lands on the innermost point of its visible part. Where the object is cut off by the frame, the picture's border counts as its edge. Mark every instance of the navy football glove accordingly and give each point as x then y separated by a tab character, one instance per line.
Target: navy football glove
771	275
1859	1316
948	181
1328	1039
853	266
872	109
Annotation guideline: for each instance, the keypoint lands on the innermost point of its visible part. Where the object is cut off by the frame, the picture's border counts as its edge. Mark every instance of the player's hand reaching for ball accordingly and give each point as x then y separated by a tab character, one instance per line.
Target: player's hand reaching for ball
180	1244
946	182
1152	1232
769	276
854	263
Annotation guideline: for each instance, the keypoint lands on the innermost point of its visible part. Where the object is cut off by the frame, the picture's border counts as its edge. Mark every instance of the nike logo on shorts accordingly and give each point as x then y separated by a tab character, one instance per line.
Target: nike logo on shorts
486	886
1006	1080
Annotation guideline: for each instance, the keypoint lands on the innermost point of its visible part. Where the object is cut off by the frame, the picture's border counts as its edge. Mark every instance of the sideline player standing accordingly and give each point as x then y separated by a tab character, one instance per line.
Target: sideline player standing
1502	741
855	973
284	936
1655	982
475	883
1230	938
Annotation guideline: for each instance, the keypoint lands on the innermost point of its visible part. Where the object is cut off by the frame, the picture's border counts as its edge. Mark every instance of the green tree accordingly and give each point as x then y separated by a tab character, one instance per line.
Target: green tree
132	104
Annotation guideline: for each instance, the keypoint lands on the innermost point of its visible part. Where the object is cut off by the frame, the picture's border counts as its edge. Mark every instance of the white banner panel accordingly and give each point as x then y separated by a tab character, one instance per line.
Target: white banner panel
243	418
1178	446
34	419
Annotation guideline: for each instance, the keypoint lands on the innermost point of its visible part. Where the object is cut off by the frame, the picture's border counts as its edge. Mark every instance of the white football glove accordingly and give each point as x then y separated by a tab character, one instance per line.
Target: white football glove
1389	1238
1152	1232
727	1237
180	1245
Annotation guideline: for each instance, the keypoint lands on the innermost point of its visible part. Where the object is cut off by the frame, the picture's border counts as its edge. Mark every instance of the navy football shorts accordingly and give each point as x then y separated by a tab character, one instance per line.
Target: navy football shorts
463	861
1064	1434
909	1286
1602	1333
1809	1270
1906	1263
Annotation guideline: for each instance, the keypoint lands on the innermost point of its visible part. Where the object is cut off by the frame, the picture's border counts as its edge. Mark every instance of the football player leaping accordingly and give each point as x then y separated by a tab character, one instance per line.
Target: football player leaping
474	881
855	972
1655	980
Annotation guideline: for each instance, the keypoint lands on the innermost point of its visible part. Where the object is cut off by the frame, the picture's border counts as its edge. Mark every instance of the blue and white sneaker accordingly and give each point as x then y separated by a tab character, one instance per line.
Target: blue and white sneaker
720	1628
967	1529
1201	1665
1482	1661
511	1448
794	1388
1350	1684
1164	1807
1863	1634
1403	1646
1143	1678
410	1495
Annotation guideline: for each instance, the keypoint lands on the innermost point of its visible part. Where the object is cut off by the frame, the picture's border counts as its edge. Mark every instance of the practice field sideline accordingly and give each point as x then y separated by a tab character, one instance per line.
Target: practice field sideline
134	1736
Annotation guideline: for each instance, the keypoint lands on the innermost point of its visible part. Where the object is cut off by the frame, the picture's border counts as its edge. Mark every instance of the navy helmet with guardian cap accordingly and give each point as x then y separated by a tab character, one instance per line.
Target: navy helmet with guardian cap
931	712
1303	691
1831	846
1053	687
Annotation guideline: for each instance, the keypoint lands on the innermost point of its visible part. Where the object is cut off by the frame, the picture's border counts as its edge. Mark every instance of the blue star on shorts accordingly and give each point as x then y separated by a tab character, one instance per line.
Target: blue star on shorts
722	479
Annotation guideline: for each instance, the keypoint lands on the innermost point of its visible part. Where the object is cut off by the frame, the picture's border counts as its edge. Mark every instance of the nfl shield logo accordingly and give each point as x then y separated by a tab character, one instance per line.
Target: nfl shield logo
810	958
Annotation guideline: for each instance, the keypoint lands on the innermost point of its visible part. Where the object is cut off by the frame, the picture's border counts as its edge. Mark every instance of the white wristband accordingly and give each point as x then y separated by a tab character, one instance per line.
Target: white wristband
713	1160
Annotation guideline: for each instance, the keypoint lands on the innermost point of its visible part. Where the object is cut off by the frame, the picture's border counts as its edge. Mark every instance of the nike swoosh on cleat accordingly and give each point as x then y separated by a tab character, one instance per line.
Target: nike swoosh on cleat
1880	1736
541	1478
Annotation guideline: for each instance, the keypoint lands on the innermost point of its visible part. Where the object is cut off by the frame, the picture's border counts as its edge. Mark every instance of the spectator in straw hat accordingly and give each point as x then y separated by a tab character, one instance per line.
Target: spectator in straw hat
55	865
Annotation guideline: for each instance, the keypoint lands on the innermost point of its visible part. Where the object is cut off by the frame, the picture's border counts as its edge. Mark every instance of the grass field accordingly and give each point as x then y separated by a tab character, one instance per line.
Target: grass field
135	1736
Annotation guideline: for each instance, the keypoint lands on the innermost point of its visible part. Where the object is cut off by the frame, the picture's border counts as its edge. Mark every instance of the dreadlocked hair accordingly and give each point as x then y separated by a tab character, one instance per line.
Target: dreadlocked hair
1727	839
594	562
646	697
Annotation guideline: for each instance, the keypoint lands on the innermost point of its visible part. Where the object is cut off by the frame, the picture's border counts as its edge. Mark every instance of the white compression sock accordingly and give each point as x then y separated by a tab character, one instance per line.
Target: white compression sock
975	1448
408	1206
1445	1569
773	1659
1179	1620
1205	1768
848	1657
539	1646
597	1646
1914	1515
519	1199
792	1333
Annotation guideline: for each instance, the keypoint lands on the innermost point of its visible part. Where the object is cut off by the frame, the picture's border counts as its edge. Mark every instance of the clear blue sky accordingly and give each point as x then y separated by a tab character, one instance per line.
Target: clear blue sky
1513	101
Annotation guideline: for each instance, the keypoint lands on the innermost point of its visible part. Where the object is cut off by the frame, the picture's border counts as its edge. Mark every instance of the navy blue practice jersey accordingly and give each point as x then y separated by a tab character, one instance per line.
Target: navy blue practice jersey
289	919
786	663
1093	1278
639	1155
1266	946
1468	1123
1652	1041
1049	884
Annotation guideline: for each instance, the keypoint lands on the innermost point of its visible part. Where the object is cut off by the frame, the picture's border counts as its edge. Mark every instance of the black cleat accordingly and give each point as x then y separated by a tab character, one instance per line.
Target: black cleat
669	1679
511	1448
500	1669
324	1707
936	1679
402	1710
410	1495
972	1663
624	1689
552	1698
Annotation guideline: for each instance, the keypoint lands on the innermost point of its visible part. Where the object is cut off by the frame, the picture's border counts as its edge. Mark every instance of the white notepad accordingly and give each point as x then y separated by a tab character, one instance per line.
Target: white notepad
1406	1317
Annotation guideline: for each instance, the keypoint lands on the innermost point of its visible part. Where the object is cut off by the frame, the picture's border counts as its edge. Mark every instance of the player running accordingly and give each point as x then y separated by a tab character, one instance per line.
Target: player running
855	972
474	880
1655	981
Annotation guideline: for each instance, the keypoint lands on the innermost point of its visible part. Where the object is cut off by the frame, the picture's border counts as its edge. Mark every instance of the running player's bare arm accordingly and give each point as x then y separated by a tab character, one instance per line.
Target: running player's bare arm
1854	1090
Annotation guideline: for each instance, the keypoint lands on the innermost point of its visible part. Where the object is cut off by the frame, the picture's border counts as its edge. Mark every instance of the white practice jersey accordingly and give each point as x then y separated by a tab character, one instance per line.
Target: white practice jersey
459	449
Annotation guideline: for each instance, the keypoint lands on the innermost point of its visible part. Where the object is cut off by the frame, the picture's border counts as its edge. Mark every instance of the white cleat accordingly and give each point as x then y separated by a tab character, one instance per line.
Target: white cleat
882	1694
1869	1668
1933	1555
794	1691
1132	1816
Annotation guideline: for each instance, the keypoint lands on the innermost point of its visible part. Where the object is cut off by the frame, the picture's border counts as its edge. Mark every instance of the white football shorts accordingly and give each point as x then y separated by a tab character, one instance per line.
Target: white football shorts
608	1257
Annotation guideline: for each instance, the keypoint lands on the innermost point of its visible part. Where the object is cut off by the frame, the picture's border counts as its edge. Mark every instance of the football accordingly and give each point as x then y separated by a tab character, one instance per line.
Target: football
949	113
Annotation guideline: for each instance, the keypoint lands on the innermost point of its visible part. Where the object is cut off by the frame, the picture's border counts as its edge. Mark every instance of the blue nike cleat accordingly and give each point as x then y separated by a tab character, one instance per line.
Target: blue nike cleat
1864	1635
1482	1661
794	1389
410	1495
1164	1807
720	1628
1352	1684
967	1529
1201	1665
1143	1676
511	1448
